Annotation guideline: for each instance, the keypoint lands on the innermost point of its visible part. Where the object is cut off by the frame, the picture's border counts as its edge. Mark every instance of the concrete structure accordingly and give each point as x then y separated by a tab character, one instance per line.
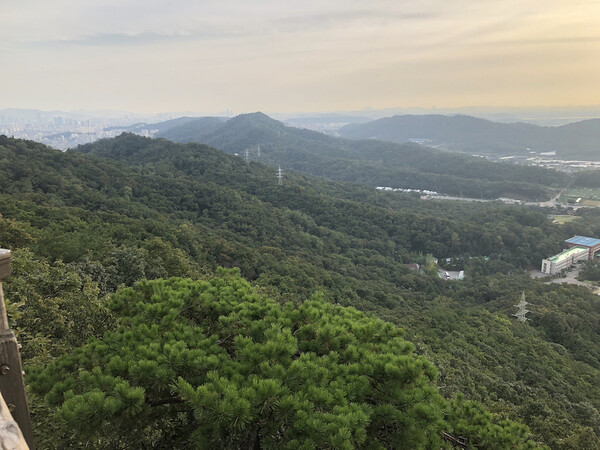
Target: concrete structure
592	244
564	259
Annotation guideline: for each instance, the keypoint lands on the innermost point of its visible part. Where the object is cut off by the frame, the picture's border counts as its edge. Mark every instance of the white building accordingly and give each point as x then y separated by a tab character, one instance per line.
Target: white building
564	260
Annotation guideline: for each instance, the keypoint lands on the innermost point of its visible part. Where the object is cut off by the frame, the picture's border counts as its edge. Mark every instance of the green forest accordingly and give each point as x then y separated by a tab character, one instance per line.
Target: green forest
463	133
367	161
171	295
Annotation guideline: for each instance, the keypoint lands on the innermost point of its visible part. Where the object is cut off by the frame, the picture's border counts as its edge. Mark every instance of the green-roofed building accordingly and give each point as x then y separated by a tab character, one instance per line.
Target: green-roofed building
564	260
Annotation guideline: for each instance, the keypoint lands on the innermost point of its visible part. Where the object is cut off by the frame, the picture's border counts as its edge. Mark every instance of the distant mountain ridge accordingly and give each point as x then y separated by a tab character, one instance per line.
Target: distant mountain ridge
578	140
193	128
371	162
159	127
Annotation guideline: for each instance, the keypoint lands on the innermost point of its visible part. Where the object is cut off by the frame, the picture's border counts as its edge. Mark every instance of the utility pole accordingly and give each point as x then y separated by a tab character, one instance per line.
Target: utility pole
12	386
279	176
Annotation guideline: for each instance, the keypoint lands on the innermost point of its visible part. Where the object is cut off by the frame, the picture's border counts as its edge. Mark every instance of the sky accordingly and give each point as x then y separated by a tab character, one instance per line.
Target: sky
275	55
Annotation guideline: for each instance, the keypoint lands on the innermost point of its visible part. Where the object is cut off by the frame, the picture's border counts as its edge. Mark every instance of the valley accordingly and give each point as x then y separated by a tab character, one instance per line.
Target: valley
110	214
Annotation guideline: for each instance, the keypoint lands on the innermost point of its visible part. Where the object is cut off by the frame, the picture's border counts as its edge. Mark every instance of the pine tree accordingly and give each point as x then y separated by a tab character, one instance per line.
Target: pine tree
211	364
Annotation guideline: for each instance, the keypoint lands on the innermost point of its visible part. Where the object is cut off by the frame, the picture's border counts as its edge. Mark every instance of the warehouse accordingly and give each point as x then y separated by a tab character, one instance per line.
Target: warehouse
564	260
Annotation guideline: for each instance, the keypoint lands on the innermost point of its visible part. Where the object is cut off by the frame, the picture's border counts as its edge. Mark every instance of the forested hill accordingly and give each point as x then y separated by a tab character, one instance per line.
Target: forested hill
82	226
433	234
469	134
371	162
192	130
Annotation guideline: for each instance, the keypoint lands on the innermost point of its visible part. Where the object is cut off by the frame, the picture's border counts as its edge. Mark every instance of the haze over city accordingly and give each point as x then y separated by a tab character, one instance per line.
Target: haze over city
273	56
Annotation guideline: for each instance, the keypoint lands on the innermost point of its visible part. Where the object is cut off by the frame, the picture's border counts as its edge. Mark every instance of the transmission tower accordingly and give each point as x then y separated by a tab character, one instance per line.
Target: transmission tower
258	152
247	156
521	311
279	176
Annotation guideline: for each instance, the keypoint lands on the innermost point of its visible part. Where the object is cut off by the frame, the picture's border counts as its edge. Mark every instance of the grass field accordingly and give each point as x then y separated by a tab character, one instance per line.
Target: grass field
589	197
564	219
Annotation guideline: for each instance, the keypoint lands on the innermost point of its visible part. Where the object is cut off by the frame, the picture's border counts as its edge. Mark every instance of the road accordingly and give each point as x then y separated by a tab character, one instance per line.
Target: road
571	278
553	202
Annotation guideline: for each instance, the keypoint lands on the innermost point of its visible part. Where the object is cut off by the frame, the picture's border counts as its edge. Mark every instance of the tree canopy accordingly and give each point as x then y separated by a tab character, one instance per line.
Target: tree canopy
213	364
82	227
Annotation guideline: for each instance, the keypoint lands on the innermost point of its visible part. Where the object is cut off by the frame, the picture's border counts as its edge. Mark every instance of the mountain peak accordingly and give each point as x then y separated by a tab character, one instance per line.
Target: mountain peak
255	117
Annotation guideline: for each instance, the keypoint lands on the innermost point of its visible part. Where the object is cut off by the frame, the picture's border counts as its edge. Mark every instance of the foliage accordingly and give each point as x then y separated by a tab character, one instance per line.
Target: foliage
590	272
14	234
483	230
369	161
587	178
90	225
212	364
470	134
55	308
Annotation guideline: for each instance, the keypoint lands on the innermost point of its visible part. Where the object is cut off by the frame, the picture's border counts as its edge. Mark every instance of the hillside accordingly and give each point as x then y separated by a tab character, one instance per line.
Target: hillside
370	162
469	134
190	130
158	127
203	164
82	226
264	375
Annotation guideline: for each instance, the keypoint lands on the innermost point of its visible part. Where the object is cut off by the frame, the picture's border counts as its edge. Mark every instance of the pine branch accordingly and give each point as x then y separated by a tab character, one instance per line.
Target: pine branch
164	401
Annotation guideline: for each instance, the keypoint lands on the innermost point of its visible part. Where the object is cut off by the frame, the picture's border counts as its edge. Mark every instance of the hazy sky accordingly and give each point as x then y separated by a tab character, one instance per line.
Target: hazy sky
276	55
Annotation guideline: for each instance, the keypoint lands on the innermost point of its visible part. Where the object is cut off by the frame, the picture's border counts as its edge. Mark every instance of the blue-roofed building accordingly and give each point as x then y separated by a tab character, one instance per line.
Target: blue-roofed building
592	244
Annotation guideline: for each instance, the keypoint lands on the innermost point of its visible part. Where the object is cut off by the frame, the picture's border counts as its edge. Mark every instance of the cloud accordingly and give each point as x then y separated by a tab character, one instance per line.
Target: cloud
284	55
235	27
566	40
132	39
343	17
